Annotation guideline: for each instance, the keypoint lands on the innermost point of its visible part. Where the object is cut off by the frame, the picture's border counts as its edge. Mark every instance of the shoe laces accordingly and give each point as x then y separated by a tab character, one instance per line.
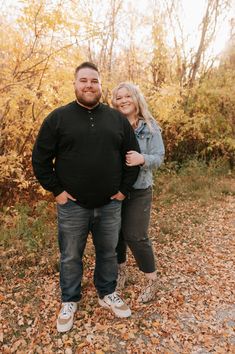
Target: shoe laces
114	298
67	309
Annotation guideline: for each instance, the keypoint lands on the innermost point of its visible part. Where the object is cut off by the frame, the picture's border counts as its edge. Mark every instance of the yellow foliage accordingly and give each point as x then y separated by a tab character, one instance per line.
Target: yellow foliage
42	49
36	76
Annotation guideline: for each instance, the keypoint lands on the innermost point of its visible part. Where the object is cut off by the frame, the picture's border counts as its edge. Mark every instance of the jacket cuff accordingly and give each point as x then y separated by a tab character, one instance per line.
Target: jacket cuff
146	164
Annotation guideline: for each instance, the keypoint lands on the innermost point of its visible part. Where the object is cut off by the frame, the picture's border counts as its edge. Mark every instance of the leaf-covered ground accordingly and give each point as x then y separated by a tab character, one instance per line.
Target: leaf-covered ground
194	311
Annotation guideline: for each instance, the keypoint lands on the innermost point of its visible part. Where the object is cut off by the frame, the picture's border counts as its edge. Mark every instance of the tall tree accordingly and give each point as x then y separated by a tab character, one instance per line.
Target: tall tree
214	10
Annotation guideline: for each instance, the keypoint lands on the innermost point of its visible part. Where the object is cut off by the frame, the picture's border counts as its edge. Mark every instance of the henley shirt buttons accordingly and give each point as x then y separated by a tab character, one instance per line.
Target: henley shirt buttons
91	119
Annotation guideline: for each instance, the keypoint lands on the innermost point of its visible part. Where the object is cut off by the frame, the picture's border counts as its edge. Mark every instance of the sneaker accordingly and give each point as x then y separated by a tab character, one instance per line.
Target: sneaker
65	317
116	304
149	292
121	279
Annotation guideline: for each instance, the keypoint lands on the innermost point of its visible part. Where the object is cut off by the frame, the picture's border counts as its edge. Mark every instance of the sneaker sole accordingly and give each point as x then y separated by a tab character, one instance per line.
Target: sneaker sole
115	311
64	328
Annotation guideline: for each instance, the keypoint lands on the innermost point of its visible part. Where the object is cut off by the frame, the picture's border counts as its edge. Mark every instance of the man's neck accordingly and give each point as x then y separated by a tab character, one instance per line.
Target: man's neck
87	107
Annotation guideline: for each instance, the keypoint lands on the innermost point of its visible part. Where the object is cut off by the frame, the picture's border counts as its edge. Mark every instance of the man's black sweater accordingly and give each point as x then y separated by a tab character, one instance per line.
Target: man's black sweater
82	152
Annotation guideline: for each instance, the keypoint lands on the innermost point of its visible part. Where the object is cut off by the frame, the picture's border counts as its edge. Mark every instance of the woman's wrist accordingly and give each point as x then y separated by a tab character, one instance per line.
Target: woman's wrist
143	160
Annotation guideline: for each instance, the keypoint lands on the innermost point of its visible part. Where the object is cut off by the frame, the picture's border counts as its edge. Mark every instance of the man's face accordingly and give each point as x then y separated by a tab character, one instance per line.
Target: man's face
87	87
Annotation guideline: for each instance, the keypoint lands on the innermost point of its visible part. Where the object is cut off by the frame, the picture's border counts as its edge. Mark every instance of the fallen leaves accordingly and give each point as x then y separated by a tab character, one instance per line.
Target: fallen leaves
193	312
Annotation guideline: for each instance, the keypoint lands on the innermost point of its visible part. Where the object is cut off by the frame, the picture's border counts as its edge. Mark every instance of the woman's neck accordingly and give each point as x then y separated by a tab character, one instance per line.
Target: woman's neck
133	120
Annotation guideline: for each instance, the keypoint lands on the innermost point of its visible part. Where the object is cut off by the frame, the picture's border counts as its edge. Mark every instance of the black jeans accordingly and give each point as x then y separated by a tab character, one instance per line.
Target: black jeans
134	230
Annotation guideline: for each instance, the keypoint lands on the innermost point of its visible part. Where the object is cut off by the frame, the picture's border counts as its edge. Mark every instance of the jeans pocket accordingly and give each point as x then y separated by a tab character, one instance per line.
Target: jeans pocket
64	204
116	201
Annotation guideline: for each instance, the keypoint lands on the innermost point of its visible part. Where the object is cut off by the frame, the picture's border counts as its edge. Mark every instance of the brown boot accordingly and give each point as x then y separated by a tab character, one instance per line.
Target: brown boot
121	279
149	291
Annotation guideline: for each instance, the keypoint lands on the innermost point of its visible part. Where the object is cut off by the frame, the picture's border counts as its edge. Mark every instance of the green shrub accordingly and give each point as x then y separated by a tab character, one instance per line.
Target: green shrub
27	227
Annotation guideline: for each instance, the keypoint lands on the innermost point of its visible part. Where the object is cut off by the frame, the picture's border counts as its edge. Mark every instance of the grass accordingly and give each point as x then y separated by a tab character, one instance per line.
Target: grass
194	180
30	231
27	237
182	196
23	224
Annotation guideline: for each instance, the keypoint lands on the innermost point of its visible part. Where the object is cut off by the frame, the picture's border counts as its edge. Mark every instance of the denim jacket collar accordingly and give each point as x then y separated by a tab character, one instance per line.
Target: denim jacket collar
140	127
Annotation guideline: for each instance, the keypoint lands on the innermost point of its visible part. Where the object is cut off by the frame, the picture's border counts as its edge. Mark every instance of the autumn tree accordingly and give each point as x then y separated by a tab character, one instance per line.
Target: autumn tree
191	98
34	52
208	27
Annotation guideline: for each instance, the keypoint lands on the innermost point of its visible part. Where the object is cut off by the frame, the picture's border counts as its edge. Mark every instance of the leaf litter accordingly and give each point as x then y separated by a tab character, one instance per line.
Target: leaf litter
194	310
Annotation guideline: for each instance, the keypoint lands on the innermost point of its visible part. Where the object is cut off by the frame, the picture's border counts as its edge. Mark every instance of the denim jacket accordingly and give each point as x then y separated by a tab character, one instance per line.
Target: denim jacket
152	148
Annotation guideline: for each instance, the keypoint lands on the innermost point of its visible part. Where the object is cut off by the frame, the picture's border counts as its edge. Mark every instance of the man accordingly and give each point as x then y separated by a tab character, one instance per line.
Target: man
79	156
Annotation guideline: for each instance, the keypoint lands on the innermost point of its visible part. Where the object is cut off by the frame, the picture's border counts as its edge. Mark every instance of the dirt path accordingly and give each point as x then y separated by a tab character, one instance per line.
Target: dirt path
194	311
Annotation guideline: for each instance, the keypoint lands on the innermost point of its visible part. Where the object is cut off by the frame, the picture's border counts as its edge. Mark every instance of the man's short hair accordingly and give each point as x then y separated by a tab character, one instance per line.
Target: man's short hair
86	64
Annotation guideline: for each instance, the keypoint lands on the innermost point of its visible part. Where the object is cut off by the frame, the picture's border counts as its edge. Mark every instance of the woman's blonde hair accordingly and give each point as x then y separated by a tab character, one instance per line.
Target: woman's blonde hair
139	101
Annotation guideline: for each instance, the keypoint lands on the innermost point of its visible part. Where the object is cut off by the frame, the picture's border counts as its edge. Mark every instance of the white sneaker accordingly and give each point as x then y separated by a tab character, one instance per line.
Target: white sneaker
65	317
116	304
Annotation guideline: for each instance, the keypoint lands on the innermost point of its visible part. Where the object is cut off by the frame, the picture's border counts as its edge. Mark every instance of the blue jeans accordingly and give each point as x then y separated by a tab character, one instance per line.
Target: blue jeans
74	224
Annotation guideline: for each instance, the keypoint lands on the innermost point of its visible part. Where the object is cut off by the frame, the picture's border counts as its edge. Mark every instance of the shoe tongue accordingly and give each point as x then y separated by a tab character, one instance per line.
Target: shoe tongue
66	309
116	298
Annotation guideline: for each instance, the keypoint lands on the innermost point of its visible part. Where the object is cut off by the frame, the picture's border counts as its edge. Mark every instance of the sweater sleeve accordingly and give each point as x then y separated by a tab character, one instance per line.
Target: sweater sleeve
130	174
44	153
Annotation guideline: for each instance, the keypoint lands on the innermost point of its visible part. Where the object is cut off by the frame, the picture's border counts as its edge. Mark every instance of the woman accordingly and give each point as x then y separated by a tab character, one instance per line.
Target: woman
128	99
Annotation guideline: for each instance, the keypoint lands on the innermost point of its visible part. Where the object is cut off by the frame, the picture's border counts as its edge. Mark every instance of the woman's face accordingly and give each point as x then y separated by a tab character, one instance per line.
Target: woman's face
125	103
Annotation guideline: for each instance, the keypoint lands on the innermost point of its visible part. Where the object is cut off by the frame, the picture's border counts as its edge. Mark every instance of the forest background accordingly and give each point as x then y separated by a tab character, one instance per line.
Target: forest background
190	89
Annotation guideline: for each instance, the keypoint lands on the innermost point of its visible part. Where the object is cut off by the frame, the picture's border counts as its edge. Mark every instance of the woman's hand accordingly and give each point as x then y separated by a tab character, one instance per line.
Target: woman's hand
133	158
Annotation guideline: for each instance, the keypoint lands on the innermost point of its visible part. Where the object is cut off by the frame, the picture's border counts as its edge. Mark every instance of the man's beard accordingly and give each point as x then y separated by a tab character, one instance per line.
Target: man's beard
90	103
